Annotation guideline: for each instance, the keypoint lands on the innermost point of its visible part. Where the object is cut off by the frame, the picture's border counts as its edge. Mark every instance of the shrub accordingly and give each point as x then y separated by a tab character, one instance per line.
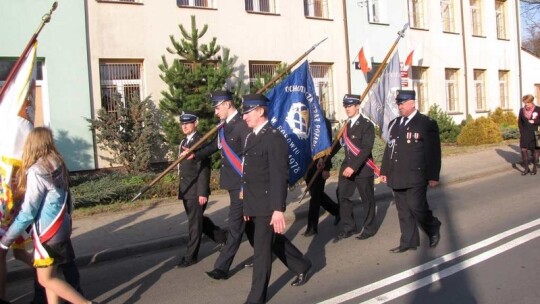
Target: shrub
510	132
130	133
111	187
503	118
480	131
448	129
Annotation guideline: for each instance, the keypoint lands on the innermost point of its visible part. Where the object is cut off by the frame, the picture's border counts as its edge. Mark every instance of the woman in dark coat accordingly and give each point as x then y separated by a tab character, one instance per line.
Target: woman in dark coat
528	121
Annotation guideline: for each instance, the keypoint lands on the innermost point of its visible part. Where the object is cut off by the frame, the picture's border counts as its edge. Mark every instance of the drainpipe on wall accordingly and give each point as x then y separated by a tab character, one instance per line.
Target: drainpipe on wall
465	61
518	36
90	82
347	57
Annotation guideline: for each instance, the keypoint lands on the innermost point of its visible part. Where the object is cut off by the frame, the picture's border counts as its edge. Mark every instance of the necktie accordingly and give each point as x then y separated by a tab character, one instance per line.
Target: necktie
404	122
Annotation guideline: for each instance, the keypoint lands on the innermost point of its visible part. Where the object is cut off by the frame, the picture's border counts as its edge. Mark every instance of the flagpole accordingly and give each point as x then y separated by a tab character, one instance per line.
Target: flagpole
45	19
401	34
277	77
213	130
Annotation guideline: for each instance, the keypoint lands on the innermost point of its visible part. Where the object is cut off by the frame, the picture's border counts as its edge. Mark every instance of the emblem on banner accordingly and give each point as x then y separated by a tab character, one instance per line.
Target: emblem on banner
298	120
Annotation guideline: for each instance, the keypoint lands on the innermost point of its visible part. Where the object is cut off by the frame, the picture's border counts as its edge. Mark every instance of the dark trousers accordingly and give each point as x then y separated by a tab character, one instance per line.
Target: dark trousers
267	242
197	225
319	199
286	252
346	188
71	275
413	211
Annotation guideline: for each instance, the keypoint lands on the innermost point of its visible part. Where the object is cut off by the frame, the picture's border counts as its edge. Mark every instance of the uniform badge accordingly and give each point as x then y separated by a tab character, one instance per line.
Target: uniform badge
409	136
416	136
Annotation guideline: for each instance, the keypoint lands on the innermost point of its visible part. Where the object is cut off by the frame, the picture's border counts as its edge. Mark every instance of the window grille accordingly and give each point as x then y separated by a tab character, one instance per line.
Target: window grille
119	81
500	15
451	90
476	17
420	85
323	80
197	3
316	8
503	89
261	6
447	15
480	90
417	16
258	70
377	11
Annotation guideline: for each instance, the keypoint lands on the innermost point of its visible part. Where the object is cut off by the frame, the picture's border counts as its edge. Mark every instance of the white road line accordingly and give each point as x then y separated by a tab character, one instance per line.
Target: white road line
396	293
434	263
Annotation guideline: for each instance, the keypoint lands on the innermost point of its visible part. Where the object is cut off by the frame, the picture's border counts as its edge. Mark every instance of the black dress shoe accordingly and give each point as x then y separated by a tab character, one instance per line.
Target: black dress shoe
186	263
364	236
302	278
337	219
400	249
217	274
434	240
310	232
2	301
343	235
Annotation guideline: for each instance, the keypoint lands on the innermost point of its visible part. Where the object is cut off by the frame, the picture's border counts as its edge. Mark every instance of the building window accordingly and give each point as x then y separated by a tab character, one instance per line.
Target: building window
480	90
420	85
197	3
119	81
323	81
503	89
377	10
261	70
500	14
451	82
476	17
316	9
261	6
417	14
122	1
447	15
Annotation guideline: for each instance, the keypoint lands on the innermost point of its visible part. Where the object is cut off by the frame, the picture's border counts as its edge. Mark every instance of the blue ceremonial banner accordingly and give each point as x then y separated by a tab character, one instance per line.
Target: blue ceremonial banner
295	111
381	107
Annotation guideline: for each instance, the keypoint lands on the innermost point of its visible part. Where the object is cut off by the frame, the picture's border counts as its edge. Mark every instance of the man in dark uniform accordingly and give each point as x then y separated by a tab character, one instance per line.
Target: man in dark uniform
411	162
230	141
264	190
193	190
356	172
318	198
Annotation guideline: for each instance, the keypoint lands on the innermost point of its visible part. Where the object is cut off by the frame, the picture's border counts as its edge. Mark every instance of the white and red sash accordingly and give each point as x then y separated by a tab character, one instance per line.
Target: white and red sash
41	257
355	151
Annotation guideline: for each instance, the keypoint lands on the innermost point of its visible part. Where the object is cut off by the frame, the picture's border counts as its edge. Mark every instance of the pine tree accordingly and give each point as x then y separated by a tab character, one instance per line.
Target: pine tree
191	77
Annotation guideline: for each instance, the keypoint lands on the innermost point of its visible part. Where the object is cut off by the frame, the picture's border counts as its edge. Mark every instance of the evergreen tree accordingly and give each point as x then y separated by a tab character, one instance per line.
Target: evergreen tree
191	77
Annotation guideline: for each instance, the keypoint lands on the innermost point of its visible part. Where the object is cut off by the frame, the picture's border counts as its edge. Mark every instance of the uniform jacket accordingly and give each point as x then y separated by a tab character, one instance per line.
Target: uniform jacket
235	135
362	135
194	174
266	171
45	196
526	129
413	153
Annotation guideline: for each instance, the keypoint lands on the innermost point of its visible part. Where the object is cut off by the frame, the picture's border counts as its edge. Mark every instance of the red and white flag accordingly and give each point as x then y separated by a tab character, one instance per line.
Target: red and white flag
408	61
364	59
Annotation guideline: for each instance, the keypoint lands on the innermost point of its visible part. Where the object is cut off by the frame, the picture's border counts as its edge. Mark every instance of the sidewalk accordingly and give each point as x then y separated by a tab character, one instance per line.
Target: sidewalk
164	224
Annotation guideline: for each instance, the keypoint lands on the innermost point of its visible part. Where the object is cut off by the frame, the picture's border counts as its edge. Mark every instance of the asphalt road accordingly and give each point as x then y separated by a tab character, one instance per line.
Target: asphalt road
489	253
